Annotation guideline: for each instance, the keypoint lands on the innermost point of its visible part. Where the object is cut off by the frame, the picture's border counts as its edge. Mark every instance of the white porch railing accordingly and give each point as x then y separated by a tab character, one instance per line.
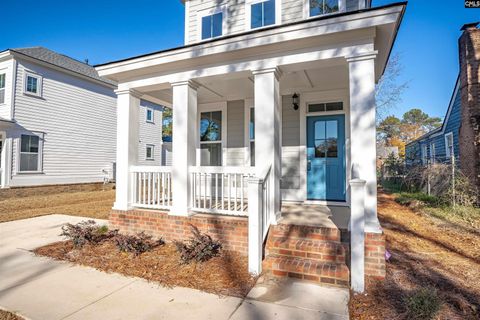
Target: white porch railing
220	189
151	187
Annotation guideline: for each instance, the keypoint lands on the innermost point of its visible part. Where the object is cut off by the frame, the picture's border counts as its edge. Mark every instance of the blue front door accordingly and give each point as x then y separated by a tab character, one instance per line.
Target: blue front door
326	158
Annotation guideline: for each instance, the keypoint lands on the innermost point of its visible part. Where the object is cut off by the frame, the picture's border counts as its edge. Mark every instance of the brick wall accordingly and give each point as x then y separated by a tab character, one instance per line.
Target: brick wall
20	192
375	255
469	135
231	231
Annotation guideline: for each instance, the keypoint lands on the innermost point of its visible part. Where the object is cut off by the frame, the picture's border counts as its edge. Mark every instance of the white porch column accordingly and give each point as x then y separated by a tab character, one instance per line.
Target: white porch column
128	105
6	161
363	132
357	235
268	120
184	135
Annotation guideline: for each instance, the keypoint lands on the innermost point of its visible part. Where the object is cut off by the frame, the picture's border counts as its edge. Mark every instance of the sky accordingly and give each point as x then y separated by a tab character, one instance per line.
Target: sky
103	31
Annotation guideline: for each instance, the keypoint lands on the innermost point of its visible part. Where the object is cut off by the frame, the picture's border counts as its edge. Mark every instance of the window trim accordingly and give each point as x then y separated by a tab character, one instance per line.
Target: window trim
4	73
152	146
39	84
342	7
433	152
153	115
211	107
424	150
447	151
248	14
209	12
40	152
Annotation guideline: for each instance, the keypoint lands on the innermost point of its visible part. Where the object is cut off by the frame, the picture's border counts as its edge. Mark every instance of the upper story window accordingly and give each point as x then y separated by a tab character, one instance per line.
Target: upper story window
149	115
212	25
149	152
2	87
33	84
262	14
319	7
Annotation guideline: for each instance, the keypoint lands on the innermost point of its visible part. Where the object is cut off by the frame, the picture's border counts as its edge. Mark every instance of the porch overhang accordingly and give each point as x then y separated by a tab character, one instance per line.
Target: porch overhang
335	36
6	124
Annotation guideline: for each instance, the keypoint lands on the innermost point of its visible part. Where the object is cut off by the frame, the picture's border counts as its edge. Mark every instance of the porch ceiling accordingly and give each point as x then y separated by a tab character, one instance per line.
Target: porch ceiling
302	77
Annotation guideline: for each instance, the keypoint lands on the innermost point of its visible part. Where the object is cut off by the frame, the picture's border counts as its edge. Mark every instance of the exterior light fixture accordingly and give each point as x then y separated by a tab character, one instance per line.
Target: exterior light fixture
295	101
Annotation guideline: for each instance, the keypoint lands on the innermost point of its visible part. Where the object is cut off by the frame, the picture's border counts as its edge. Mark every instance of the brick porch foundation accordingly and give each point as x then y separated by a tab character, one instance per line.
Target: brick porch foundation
232	232
375	255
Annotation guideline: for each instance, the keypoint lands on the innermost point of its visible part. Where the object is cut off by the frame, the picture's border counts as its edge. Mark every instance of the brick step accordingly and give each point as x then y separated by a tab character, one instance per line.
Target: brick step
290	231
307	269
318	250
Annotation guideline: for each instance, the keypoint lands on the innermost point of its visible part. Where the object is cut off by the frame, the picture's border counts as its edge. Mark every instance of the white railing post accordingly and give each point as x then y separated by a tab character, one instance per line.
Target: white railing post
357	234
255	238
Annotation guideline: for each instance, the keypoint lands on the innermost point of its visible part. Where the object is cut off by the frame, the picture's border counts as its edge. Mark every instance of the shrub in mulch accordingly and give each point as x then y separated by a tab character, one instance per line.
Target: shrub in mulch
201	247
212	270
87	232
423	304
136	244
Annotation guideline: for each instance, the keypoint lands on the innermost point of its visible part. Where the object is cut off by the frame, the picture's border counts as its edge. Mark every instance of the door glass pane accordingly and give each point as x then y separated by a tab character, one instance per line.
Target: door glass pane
332	131
332	148
211	126
217	24
211	154
252	123
320	148
269	12
256	18
320	130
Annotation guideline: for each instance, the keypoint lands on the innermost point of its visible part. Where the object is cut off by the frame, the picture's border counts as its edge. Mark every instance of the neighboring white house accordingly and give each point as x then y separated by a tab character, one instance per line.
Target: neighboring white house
58	121
276	95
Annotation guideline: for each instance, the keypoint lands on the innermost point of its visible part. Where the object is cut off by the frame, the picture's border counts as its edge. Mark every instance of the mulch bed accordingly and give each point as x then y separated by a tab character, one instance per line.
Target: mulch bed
426	253
226	274
6	315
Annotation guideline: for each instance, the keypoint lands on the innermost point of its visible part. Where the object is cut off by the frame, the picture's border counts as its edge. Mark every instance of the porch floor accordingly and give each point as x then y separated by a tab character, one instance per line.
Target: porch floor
315	215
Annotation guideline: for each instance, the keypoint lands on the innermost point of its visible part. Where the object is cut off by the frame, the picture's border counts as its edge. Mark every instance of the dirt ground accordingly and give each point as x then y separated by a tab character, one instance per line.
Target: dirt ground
5	315
226	274
426	252
94	204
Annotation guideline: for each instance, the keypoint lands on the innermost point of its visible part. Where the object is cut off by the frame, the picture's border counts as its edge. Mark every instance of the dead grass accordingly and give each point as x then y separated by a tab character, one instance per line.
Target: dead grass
226	274
6	315
426	252
93	204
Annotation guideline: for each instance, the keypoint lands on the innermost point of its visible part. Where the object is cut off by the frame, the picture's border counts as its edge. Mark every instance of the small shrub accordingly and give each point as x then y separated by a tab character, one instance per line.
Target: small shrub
201	247
136	244
423	304
87	232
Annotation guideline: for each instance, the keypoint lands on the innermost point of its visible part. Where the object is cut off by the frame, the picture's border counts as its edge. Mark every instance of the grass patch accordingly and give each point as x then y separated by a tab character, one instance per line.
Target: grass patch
408	198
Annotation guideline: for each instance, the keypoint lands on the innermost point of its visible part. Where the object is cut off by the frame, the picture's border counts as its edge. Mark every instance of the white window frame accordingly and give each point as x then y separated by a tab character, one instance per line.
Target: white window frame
152	157
4	87
447	150
209	12
211	107
248	14
424	153
249	104
40	152
39	84
153	115
342	7
433	152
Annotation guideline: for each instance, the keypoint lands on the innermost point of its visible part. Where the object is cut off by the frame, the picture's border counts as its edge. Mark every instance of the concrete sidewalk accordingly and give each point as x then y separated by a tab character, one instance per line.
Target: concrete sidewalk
40	288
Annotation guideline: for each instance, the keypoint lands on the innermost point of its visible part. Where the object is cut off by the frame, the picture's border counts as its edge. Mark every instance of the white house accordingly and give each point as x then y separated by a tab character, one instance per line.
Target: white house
58	121
273	123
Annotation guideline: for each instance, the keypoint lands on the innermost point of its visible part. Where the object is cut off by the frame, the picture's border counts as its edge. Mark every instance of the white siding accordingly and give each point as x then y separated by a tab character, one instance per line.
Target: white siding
290	145
292	10
78	121
235	133
150	133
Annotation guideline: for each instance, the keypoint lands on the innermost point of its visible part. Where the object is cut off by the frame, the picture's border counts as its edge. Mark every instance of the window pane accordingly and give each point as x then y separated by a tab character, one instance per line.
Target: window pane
2	95
211	126
269	12
2	81
28	162
206	27
211	154
149	152
330	6
332	131
316	7
149	115
32	84
332	151
320	130
334	106
217	24
319	107
252	153
29	143
252	123
256	19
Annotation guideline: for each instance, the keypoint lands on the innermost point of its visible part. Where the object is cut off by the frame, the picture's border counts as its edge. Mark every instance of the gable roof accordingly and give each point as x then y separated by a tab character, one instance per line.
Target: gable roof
62	61
441	129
